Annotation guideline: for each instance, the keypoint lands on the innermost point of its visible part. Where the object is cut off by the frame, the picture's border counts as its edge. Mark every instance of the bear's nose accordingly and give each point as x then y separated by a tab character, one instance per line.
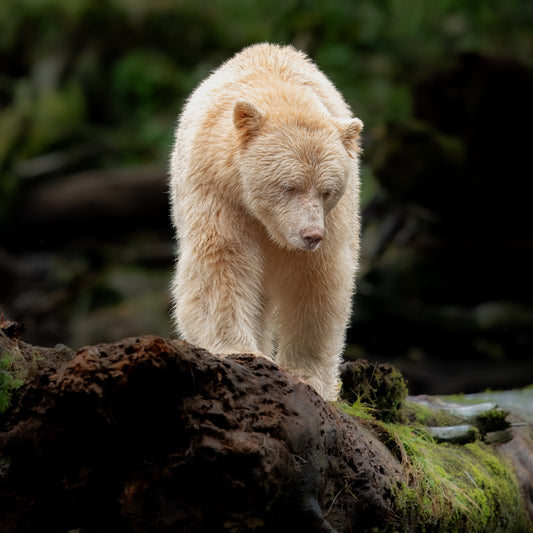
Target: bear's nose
311	237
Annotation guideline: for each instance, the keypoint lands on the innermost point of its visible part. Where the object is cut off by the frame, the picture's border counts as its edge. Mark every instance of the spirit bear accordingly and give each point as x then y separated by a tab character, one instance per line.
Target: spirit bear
264	194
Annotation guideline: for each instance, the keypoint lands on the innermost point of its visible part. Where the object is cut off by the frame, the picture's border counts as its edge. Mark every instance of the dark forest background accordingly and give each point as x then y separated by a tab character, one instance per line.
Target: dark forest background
89	95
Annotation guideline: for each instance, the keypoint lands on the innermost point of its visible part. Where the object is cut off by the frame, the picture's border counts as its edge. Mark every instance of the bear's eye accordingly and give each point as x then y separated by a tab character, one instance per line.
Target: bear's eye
326	194
287	187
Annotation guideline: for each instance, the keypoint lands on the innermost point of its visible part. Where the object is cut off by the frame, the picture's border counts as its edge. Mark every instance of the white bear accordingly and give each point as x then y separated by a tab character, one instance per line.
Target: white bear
264	193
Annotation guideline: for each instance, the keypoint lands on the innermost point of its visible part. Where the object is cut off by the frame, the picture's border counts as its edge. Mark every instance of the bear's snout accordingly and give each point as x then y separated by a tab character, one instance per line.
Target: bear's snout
311	237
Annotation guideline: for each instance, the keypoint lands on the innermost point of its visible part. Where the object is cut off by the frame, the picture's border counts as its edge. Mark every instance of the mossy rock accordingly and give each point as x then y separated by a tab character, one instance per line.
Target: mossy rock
380	386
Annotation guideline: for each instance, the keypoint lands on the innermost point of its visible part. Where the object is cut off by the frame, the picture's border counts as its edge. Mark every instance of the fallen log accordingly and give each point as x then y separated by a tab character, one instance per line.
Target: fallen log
89	205
151	434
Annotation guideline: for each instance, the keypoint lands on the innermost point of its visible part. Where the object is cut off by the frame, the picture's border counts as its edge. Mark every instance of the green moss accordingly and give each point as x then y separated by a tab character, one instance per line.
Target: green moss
20	362
447	487
359	409
455	488
380	386
493	420
485	421
418	414
461	399
9	381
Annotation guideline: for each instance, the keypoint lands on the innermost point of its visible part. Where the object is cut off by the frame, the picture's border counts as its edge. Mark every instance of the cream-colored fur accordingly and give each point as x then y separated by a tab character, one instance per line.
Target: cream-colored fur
264	193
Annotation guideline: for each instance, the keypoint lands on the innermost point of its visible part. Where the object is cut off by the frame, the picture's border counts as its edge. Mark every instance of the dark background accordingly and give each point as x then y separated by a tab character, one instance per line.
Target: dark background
89	95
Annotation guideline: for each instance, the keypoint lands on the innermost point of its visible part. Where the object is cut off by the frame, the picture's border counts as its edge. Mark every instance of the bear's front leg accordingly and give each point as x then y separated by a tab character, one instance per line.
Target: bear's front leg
313	316
216	288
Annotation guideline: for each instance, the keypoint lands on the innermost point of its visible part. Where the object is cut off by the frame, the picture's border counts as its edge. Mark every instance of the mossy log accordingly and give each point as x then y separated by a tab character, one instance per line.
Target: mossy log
151	434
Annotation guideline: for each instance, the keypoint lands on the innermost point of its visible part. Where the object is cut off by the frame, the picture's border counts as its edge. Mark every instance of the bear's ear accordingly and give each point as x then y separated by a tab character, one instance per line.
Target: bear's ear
247	119
350	130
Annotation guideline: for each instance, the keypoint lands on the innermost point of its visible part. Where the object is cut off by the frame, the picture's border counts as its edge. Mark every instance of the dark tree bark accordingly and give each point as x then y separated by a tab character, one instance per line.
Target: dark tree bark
150	434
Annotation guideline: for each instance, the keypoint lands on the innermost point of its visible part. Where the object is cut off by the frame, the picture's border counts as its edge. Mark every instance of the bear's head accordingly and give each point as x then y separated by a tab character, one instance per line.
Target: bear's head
294	169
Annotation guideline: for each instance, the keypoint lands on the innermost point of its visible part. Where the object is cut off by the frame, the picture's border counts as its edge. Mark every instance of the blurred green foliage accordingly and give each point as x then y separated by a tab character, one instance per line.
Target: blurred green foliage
118	71
87	84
